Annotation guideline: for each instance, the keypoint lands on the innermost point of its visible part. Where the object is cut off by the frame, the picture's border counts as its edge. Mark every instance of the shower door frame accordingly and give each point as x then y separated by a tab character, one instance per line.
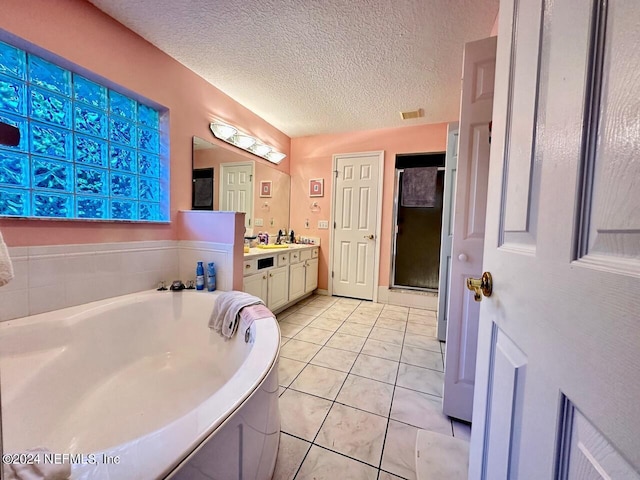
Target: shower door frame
394	231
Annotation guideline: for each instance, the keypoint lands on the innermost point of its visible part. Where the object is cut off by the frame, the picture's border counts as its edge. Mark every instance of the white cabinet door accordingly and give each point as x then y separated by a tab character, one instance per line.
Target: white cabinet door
296	280
278	287
256	285
311	275
557	378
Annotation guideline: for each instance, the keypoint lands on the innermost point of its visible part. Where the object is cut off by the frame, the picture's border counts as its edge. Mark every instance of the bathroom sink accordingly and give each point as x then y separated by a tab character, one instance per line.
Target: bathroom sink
272	246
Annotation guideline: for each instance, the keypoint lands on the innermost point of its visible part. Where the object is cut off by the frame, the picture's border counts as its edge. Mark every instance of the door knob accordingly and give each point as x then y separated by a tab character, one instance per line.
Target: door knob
463	257
481	286
370	237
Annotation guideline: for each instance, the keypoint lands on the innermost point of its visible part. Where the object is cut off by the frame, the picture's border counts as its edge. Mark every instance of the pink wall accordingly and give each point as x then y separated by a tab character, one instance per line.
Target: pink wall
494	29
312	158
91	40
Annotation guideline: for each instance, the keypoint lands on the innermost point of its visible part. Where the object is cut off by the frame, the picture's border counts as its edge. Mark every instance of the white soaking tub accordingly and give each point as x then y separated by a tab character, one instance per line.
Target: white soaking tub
138	387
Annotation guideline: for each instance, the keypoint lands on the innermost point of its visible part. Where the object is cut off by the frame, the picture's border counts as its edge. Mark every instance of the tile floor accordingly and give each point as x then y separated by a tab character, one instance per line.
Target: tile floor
357	381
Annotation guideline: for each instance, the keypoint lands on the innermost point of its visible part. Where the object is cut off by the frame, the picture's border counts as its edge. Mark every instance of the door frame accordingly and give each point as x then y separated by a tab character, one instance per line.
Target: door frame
376	255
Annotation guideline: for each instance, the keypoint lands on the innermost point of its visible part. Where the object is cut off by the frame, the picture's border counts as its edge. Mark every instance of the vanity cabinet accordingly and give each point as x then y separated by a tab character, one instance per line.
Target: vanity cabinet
281	279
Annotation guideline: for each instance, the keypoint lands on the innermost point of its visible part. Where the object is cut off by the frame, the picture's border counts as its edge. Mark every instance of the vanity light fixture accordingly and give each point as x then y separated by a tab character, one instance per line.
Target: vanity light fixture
233	136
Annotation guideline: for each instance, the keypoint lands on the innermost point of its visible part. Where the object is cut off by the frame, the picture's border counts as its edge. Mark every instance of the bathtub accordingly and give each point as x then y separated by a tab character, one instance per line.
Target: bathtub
138	387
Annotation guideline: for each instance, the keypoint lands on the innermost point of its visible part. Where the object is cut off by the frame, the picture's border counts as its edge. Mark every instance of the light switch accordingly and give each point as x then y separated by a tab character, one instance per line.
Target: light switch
323	224
259	222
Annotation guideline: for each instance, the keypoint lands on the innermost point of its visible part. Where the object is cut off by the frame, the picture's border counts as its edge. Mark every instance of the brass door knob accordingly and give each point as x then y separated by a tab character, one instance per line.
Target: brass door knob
481	286
370	237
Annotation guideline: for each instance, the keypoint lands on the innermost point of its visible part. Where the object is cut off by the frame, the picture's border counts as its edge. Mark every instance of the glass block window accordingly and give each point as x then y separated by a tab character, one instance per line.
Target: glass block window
86	151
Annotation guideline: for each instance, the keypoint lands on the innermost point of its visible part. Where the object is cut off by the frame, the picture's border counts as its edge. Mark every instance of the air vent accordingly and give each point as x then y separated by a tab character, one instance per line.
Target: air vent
412	114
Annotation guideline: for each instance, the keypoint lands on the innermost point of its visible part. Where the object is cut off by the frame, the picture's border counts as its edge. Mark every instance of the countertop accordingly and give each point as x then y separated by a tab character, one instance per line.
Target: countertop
259	252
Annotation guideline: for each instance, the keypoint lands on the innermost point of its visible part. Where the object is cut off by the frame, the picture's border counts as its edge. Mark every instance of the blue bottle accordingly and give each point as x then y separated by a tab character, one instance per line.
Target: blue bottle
211	277
199	277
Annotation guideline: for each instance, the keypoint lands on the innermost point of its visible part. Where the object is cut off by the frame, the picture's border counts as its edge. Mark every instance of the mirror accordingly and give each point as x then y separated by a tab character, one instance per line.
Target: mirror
264	190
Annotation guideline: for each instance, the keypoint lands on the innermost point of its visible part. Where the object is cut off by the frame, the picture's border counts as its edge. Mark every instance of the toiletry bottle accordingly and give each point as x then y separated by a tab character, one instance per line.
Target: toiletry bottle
211	277
293	237
266	238
199	277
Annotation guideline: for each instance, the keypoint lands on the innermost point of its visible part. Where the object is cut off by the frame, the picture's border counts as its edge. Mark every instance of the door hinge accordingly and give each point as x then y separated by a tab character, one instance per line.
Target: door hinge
250	177
334	225
331	273
249	222
336	172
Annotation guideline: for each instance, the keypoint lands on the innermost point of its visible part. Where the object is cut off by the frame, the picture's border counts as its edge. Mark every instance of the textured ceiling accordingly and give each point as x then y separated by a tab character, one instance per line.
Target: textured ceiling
320	66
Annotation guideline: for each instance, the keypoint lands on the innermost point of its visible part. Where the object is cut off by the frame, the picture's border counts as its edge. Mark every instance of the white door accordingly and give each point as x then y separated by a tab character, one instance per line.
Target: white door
446	237
236	191
468	225
558	377
256	285
356	208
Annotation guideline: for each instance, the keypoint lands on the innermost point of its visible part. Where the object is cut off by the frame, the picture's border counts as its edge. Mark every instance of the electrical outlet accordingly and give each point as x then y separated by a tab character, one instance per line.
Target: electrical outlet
259	222
324	224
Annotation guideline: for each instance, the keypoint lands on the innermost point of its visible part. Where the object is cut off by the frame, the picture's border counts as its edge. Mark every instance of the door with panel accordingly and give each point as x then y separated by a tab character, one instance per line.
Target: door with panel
311	275
557	382
236	191
356	212
296	280
256	285
476	104
278	287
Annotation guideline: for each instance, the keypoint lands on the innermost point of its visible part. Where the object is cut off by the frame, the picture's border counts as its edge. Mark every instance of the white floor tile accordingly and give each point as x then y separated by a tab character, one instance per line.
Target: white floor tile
325	323
461	430
376	368
314	335
356	329
420	379
420	329
442	456
334	358
422	358
298	350
290	455
377	348
420	410
366	394
288	369
354	433
320	381
422	341
394	314
288	329
314	311
398	456
321	464
346	342
385	335
300	318
302	414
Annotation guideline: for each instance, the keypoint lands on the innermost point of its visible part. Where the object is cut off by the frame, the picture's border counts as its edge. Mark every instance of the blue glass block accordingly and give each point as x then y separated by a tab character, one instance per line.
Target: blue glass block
121	105
92	180
51	174
122	158
124	210
148	164
91	151
92	207
51	141
23	126
47	204
89	92
148	140
149	190
149	211
13	95
14	202
123	185
49	107
48	75
14	169
13	61
88	120
122	132
149	117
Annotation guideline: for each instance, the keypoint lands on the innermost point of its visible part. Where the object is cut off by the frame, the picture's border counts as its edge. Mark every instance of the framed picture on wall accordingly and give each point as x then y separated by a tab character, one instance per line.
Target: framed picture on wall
265	188
316	187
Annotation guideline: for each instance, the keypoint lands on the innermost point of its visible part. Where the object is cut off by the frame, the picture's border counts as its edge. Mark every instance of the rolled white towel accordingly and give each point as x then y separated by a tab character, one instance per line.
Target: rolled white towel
224	317
6	267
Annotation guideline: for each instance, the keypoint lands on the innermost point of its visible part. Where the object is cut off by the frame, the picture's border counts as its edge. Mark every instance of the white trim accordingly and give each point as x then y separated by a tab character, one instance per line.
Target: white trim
376	259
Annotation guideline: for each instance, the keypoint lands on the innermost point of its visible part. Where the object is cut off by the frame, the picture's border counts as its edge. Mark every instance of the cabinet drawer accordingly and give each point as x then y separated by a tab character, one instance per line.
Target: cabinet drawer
314	253
283	259
249	267
295	257
305	254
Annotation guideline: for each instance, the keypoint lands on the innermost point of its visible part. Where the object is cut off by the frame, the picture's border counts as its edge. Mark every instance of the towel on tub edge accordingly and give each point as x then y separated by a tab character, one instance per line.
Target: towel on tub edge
6	268
225	316
250	314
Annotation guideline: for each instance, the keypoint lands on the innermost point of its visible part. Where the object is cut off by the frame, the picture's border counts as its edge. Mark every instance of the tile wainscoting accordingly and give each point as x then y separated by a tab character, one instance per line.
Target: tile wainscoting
53	277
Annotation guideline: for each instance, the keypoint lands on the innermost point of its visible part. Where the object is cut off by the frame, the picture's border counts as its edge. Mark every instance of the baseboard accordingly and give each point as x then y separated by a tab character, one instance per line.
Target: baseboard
321	291
408	298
